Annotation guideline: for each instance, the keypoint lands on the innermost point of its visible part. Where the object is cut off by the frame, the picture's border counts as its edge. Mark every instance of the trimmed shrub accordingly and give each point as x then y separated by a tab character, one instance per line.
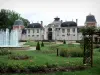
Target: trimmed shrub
64	53
71	52
76	52
38	46
64	42
42	44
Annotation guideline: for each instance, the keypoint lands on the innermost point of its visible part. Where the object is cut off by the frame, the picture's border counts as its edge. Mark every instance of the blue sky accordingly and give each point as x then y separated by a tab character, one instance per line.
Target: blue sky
46	10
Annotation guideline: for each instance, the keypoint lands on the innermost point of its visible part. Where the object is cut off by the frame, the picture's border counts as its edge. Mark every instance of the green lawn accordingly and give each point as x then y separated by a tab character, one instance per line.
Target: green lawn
34	43
48	55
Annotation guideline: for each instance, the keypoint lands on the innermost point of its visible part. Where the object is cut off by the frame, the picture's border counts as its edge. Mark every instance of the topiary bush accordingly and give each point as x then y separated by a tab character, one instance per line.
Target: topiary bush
38	46
64	42
42	44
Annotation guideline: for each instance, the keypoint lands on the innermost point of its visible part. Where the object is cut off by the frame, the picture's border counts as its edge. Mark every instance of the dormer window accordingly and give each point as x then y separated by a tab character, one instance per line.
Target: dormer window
68	30
63	30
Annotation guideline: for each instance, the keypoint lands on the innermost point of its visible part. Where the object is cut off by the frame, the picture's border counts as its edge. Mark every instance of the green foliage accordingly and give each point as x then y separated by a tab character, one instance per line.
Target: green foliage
86	42
71	52
26	22
42	44
48	65
32	68
18	57
64	53
88	30
38	46
39	62
4	51
8	17
99	50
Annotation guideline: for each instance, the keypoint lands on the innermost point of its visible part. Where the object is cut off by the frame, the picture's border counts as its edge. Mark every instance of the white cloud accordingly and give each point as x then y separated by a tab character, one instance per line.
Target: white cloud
46	10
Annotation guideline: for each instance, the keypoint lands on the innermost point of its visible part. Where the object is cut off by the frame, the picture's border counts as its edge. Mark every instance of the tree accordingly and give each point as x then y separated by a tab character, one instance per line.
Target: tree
25	21
42	44
3	19
64	42
88	44
8	17
38	46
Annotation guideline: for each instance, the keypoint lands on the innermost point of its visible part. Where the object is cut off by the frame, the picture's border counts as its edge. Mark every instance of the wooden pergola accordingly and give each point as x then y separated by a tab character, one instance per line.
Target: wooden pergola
90	40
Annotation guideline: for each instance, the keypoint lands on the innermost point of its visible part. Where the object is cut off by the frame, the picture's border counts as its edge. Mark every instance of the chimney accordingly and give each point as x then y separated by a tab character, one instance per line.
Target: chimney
42	23
76	21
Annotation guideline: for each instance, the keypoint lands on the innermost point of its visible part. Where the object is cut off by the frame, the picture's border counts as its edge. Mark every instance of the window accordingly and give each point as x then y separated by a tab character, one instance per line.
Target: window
28	35
63	30
74	35
28	30
37	35
68	34
68	30
63	35
37	30
32	35
33	30
73	30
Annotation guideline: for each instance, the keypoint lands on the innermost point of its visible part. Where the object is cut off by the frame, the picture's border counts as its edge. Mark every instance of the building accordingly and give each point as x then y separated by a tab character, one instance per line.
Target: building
90	21
19	25
57	30
35	31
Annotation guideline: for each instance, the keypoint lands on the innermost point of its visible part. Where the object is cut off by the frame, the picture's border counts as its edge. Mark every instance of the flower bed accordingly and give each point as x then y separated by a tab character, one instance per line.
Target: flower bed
13	68
18	57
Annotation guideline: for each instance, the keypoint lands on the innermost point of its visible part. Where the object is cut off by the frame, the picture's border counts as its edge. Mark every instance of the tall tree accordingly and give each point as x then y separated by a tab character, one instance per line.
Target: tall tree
25	21
3	19
8	17
12	16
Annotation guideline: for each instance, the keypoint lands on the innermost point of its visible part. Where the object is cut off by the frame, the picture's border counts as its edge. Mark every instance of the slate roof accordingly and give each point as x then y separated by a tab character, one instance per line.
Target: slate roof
90	18
18	22
35	25
57	18
69	24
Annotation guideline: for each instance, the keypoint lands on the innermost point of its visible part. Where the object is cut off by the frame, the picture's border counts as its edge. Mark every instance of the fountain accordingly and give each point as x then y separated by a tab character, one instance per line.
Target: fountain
9	39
